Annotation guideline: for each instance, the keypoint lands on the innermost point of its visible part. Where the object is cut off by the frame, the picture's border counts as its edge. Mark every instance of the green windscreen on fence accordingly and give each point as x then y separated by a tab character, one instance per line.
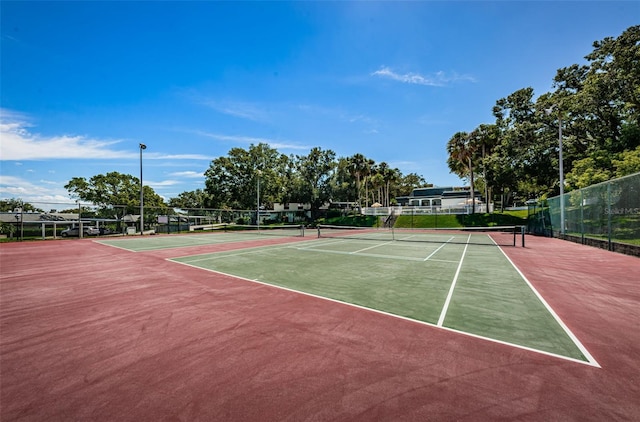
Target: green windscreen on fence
607	211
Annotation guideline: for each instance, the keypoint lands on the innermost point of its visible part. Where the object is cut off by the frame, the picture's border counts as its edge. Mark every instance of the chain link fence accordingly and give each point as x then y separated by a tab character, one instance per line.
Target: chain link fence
606	215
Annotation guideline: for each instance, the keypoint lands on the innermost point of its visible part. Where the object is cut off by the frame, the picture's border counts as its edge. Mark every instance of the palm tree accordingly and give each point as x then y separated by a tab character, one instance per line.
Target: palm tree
357	167
369	169
391	176
461	150
484	138
388	175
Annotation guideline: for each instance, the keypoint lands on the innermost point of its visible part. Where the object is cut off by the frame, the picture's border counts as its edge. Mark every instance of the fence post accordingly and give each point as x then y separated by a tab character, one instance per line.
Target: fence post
609	215
582	215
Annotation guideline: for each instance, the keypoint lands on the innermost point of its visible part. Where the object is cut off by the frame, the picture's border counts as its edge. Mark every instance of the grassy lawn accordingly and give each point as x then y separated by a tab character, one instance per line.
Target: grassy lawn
507	218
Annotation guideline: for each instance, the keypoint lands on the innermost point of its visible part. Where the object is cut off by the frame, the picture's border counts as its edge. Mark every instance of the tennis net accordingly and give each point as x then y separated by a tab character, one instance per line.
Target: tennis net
287	230
496	235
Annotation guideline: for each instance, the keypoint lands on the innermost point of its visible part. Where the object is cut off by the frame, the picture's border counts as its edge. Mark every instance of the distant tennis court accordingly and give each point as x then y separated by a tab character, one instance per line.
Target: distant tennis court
217	234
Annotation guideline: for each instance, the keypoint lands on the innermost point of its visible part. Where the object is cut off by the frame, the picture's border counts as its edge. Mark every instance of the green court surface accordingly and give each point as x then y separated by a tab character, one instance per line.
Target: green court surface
158	242
470	288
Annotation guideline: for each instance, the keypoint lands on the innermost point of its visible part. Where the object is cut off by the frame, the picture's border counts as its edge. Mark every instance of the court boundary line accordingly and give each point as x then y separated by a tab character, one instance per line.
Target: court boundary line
353	305
332	241
243	239
371	255
555	316
370	247
440	247
113	246
161	248
233	252
591	360
445	308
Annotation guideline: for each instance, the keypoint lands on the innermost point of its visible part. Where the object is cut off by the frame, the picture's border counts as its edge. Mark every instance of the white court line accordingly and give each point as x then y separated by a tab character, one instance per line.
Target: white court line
316	243
371	255
566	329
194	240
114	246
453	285
223	254
441	246
371	247
312	248
417	321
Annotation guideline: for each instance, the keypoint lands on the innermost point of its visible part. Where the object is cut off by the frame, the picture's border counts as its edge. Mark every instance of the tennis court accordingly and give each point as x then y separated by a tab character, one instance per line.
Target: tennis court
220	235
469	287
248	326
451	278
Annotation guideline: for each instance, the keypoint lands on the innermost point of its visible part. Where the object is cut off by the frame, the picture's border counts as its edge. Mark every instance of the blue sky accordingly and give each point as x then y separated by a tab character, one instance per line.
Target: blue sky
83	83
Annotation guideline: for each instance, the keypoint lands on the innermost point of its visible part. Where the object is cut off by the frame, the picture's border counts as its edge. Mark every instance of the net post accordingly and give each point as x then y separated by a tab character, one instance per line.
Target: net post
522	232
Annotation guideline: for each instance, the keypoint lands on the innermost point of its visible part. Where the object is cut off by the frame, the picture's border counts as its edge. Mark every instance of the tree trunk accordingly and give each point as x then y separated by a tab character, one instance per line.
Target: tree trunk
473	192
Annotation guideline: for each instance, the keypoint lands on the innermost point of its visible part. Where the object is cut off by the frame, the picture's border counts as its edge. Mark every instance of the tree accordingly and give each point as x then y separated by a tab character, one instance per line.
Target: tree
316	178
526	152
191	199
627	163
486	138
601	104
406	184
377	186
389	176
113	190
344	189
358	167
10	205
232	181
598	107
369	169
461	150
615	65
315	170
586	172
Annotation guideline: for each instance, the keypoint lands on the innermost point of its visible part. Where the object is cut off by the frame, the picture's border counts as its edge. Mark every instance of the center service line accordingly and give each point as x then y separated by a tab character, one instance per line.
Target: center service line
441	246
453	285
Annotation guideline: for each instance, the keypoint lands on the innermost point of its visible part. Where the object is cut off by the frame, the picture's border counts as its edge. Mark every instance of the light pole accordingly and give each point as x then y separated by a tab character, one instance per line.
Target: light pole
142	146
259	173
560	165
80	232
21	220
17	226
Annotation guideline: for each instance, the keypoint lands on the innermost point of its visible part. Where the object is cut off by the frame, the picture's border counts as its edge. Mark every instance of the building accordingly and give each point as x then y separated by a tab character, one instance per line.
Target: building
441	198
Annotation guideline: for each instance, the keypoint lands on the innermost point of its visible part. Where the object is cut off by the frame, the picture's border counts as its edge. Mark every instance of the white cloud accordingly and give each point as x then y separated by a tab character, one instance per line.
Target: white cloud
188	174
162	183
49	182
18	143
278	145
410	166
437	79
40	196
177	157
252	140
241	110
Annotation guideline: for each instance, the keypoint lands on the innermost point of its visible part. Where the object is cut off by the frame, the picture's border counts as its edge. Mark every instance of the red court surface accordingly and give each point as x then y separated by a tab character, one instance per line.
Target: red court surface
91	332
